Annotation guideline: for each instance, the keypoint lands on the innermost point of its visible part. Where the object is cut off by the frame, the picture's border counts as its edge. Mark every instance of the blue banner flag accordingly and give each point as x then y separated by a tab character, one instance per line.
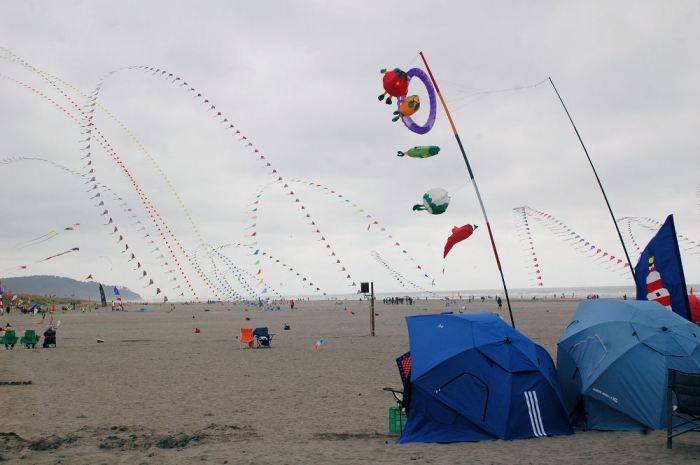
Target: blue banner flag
659	272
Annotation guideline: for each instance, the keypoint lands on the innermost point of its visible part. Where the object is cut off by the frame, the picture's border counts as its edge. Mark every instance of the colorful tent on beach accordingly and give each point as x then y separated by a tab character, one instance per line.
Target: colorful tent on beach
473	378
612	363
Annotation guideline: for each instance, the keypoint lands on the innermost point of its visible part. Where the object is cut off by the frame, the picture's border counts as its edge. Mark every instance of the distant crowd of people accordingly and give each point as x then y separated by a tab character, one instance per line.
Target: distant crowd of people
398	300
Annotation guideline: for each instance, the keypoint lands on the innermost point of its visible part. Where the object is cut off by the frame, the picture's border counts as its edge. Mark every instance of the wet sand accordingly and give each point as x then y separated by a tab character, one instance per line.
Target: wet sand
156	392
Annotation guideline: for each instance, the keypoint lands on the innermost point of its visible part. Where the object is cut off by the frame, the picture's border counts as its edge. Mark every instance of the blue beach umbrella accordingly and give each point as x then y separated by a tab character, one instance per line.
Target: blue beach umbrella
613	358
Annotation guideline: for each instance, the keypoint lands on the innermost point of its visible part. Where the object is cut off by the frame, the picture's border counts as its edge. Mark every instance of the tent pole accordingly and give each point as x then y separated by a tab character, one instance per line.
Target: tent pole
595	173
476	188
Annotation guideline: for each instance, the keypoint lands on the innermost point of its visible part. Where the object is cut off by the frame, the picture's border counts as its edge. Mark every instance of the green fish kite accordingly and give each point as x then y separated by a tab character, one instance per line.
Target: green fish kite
423	151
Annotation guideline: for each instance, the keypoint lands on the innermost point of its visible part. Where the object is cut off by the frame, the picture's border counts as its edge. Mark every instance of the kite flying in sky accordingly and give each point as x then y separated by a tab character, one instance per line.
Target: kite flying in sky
409	106
395	84
435	201
458	235
432	100
423	151
74	249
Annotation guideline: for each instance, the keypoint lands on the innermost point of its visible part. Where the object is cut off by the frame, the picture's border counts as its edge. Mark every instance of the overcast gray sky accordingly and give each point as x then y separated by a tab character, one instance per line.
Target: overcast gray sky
300	79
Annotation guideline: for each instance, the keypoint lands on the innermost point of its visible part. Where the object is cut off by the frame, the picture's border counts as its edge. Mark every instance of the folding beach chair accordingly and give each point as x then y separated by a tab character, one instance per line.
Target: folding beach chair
686	388
9	339
29	339
246	337
262	337
403	397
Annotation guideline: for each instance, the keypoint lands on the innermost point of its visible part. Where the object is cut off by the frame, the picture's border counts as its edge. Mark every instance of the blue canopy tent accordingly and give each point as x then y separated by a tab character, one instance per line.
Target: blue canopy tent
473	378
613	358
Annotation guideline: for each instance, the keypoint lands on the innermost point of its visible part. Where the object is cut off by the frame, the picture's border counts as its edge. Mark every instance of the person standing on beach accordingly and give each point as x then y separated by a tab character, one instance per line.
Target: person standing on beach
291	304
499	302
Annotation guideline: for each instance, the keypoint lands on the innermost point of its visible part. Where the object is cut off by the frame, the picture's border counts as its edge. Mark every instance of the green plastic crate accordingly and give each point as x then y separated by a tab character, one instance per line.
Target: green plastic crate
397	420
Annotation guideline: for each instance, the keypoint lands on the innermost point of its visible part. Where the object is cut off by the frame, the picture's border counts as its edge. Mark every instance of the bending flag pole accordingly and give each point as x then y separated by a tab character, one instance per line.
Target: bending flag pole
476	188
595	173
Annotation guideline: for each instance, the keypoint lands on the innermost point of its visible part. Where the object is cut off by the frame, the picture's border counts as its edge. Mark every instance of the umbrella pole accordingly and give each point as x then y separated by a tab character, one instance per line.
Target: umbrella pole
476	188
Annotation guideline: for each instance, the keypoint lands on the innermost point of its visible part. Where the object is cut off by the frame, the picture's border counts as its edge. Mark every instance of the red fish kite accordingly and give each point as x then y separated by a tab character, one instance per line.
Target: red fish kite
458	235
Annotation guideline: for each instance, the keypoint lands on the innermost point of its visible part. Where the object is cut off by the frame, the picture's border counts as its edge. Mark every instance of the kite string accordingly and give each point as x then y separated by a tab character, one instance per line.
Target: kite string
162	73
577	241
59	107
258	252
50	78
105	144
257	205
313	222
476	93
398	276
654	225
527	244
220	117
102	187
217	250
229	262
334	193
220	279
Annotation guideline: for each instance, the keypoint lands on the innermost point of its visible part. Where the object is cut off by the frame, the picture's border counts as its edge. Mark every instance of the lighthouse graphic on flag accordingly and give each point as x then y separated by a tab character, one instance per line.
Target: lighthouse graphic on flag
655	287
659	272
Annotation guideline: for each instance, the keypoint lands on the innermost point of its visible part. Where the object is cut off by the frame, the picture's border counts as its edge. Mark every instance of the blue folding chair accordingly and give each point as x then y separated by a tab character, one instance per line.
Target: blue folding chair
262	336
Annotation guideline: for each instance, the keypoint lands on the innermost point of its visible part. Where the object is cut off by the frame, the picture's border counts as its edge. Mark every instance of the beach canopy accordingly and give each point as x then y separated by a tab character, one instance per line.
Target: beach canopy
473	378
613	358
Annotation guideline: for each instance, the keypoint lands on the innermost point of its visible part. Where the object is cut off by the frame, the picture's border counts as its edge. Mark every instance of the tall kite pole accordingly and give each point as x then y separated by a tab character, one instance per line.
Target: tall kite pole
595	173
476	188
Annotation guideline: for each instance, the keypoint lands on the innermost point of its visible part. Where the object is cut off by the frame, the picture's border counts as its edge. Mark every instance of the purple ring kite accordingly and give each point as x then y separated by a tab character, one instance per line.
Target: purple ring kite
407	120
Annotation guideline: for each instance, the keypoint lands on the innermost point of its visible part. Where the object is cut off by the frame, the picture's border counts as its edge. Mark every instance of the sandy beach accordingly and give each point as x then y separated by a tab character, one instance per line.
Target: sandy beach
156	392
232	153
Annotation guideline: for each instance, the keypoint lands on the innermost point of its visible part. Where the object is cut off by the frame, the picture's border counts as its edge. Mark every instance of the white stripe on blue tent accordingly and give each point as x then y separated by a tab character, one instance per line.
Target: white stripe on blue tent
537	411
534	412
529	411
